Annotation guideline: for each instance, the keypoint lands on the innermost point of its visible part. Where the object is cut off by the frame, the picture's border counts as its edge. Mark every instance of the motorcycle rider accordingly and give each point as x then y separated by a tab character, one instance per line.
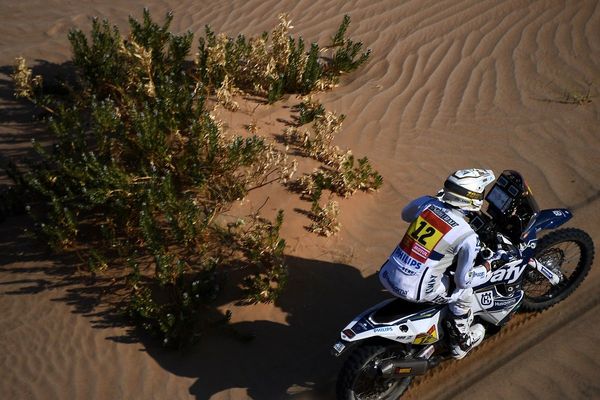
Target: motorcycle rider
438	239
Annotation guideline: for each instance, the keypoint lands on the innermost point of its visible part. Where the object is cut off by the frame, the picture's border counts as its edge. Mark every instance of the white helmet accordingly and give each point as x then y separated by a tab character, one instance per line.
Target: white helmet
464	188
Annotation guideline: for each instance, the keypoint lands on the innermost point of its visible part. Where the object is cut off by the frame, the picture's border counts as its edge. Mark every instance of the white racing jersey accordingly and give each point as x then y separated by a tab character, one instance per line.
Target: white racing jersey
436	235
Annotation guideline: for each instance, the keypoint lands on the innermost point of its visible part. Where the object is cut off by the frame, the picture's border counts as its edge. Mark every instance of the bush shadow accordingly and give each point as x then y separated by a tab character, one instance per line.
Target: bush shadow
290	360
284	360
36	270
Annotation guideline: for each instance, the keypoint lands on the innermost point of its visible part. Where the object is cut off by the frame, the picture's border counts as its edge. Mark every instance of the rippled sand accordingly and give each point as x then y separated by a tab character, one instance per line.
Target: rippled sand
451	84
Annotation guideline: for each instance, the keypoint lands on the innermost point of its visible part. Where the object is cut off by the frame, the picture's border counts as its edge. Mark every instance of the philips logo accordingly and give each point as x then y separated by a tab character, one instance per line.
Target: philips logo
479	274
402	258
383	330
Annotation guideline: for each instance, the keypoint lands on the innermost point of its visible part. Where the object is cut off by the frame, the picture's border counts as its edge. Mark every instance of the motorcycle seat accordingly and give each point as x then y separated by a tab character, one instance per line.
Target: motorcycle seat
399	308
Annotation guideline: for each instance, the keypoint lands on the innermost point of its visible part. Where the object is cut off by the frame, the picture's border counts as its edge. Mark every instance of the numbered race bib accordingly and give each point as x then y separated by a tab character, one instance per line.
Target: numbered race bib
422	236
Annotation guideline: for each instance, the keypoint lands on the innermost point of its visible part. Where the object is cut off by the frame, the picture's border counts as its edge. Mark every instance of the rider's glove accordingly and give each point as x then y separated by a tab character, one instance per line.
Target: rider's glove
498	259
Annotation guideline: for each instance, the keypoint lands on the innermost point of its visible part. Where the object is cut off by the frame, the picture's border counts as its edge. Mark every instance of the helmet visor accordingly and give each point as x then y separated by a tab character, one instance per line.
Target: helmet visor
454	188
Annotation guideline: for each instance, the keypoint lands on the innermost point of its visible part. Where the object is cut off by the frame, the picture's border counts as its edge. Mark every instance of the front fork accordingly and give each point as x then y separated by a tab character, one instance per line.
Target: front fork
554	277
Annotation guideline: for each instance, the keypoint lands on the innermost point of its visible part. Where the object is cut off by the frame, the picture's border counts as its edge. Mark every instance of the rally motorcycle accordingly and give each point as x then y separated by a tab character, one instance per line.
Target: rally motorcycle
396	340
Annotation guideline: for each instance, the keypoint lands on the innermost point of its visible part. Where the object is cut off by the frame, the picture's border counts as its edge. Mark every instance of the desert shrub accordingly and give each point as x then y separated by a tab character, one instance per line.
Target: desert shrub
347	55
309	110
317	141
261	244
325	219
341	173
344	178
275	63
141	174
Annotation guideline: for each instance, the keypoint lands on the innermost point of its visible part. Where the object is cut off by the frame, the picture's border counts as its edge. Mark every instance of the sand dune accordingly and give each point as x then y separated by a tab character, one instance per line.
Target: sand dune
451	84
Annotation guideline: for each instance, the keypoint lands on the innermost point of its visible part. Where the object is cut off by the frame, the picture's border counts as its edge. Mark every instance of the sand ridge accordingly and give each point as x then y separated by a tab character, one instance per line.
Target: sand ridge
451	84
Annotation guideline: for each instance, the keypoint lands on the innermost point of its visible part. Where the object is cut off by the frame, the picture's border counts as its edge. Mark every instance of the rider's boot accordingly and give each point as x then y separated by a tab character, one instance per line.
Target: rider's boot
463	337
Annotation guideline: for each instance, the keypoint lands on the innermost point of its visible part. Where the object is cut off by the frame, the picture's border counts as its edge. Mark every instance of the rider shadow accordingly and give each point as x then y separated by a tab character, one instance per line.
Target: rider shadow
290	360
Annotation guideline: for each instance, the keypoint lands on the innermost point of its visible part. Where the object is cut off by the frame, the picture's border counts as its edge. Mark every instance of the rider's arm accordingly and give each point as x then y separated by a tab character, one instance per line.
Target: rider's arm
414	208
466	258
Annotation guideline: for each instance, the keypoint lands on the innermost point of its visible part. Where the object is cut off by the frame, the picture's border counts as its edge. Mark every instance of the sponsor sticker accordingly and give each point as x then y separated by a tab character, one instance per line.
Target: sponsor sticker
486	299
509	273
406	261
427	352
546	272
505	302
443	216
383	329
428	337
480	274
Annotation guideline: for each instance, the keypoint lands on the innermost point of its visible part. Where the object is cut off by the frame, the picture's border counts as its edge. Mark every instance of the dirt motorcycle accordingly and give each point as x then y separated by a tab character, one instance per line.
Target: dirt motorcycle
396	340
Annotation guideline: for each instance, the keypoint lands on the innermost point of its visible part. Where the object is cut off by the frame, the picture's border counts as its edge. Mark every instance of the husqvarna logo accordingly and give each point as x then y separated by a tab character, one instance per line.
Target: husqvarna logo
486	298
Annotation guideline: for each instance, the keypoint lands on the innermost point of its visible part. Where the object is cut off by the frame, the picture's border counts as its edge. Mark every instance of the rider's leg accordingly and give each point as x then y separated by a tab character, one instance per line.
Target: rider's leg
463	337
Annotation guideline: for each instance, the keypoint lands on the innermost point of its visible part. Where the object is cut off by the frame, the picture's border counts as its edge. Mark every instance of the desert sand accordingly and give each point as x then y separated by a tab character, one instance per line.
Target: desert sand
450	85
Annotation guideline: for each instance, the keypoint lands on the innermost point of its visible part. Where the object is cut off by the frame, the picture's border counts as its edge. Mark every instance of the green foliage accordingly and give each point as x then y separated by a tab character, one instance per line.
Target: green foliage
181	315
275	63
312	71
347	56
344	179
341	173
141	174
309	110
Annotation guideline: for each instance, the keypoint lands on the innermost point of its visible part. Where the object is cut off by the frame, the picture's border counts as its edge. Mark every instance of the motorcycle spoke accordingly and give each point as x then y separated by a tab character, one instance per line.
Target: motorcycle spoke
562	257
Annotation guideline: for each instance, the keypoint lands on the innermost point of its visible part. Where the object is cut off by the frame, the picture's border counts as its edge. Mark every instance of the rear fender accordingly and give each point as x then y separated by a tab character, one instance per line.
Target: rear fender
419	328
342	346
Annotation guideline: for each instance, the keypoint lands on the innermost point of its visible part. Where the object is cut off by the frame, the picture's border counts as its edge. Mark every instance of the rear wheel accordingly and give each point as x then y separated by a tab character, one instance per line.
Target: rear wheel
360	379
568	251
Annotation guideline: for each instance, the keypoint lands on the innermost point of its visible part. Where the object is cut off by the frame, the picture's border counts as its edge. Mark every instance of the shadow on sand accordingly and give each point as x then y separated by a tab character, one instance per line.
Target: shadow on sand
284	360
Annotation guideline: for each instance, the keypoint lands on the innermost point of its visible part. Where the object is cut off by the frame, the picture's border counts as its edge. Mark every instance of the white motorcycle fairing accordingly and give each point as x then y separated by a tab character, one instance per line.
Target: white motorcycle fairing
397	320
497	296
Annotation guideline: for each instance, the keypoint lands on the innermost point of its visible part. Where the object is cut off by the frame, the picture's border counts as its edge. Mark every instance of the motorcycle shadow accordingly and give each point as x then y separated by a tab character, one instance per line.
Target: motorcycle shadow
283	360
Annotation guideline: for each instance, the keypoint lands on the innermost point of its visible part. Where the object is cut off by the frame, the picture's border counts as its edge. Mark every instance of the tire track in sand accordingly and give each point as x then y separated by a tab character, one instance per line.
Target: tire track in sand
523	333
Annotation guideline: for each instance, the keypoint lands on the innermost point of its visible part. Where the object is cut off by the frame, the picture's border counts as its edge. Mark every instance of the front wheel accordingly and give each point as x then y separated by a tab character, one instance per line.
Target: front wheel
568	251
360	379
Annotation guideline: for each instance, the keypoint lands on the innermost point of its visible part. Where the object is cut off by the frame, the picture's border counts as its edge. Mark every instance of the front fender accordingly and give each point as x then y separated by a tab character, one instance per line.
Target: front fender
547	219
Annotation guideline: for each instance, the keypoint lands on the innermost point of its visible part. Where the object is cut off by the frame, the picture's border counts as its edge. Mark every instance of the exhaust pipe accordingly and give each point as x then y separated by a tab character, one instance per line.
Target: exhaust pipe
403	368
